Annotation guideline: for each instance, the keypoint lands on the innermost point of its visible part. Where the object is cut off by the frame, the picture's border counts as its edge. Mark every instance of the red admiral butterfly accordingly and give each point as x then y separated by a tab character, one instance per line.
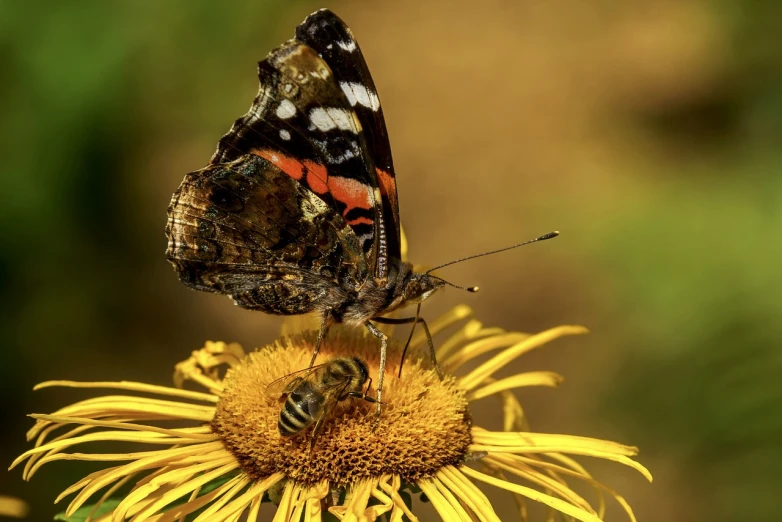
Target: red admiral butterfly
297	211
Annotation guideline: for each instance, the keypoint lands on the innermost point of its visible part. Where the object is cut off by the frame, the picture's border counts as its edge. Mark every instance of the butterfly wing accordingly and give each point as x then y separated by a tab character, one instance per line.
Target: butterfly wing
303	122
249	230
331	38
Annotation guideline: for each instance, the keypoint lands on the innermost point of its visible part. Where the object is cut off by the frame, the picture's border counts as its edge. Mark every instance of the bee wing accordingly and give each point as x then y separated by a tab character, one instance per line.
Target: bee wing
279	387
332	394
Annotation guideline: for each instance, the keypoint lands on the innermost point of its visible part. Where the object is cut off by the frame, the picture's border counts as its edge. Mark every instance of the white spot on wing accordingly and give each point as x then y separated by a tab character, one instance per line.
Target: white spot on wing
326	119
348	90
347	155
284	134
357	93
349	46
286	110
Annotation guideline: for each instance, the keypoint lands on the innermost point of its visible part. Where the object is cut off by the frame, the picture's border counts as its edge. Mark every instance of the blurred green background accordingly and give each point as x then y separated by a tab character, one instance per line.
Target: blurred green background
647	132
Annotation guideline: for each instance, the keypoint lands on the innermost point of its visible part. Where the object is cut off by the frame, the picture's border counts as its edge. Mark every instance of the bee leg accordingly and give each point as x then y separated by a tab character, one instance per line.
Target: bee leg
359	395
315	432
324	327
382	370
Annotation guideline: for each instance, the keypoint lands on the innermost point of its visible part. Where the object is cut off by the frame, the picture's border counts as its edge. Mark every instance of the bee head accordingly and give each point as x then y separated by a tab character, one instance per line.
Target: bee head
361	369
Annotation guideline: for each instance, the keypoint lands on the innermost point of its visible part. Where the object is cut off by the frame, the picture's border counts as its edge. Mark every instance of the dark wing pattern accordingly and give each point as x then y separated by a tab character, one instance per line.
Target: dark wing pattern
302	121
248	229
328	35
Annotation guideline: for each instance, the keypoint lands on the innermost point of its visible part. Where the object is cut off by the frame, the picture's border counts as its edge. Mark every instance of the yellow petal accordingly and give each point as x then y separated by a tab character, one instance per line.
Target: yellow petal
521	501
447	511
580	473
185	487
285	507
526	442
203	433
471	331
468	493
517	381
482	345
133	386
477	376
355	507
107	494
554	485
208	513
255	509
313	498
451	317
142	407
178	513
532	494
392	490
536	441
240	503
120	471
512	412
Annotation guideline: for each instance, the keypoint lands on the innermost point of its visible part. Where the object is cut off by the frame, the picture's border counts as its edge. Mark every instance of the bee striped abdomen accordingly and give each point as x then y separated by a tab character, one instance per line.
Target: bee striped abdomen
295	414
310	398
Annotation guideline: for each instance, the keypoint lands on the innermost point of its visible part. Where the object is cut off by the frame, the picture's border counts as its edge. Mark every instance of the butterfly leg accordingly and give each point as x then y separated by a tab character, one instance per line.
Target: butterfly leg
415	320
324	327
382	370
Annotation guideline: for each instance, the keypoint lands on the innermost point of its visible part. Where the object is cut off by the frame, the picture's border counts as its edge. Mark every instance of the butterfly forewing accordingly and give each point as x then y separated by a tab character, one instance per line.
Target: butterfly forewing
331	38
302	122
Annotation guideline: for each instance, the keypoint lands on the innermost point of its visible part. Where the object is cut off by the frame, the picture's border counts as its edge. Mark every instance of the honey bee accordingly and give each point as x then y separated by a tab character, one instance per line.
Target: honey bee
311	394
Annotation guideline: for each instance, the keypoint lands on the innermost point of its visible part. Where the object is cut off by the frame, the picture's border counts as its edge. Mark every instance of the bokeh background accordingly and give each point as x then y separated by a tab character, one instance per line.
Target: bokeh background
647	132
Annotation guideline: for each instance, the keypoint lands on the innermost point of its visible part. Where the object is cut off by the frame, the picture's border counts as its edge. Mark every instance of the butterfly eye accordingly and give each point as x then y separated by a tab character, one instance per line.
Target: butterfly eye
413	290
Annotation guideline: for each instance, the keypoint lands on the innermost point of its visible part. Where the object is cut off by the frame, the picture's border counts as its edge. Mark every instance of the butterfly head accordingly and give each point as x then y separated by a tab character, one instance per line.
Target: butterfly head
420	286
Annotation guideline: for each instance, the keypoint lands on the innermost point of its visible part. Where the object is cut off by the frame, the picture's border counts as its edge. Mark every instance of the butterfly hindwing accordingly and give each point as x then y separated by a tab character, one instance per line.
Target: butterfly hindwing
331	38
248	229
302	122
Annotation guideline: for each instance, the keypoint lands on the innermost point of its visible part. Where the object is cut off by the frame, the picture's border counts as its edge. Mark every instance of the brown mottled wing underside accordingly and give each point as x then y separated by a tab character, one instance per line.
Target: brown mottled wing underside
247	229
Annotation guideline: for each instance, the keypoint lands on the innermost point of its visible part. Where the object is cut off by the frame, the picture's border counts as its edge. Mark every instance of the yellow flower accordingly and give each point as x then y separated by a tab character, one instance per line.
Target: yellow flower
230	458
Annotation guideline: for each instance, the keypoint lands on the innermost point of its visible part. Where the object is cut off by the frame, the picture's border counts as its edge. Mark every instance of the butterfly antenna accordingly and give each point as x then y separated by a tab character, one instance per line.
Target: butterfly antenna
468	288
541	238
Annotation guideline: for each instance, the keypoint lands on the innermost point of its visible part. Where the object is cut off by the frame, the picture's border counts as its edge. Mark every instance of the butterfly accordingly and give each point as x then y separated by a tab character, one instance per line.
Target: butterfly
297	211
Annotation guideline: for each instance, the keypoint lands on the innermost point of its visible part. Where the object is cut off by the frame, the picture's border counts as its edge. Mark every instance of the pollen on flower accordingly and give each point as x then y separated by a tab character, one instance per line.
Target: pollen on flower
425	424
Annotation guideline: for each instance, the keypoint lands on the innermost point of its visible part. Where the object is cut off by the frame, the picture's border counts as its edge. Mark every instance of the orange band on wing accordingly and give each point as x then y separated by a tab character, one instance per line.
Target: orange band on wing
290	166
360	221
352	193
317	177
387	185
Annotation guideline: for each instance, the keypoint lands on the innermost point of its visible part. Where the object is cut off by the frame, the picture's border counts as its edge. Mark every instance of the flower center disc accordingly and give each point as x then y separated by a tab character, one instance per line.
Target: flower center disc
424	426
